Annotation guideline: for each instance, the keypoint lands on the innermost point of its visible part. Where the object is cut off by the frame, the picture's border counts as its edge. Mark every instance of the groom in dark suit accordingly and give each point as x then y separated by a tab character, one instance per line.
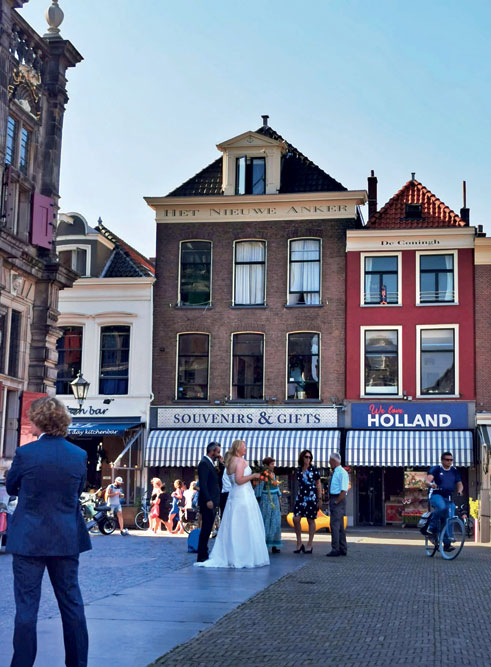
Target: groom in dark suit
47	531
209	496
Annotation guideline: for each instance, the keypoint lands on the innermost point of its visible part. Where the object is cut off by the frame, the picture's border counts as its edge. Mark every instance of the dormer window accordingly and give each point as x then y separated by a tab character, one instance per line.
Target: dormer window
77	259
250	176
413	212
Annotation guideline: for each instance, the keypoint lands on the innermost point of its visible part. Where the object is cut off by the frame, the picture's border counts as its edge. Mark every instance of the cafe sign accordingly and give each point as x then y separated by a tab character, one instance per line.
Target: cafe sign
409	415
228	417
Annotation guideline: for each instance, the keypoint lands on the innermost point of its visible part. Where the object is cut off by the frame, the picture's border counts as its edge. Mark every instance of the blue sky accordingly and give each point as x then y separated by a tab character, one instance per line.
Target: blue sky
355	85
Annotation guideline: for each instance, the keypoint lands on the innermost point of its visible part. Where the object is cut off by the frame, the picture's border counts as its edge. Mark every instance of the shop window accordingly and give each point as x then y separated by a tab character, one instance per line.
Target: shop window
381	354
3	336
304	272
381	273
11	140
250	177
436	278
24	150
76	259
69	347
303	366
115	352
14	343
250	259
195	275
192	366
247	366
437	359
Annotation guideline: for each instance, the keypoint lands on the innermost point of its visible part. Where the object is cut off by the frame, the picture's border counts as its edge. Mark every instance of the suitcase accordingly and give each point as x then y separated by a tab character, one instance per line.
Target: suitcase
193	541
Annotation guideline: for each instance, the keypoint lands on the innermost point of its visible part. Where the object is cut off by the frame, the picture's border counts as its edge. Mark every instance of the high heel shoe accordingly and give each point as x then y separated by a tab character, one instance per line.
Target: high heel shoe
300	550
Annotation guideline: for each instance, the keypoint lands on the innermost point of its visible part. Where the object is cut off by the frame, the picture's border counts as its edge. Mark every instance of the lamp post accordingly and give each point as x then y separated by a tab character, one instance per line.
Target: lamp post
80	389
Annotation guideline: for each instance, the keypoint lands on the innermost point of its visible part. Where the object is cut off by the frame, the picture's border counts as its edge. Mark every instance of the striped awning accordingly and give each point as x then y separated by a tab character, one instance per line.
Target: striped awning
171	447
407	448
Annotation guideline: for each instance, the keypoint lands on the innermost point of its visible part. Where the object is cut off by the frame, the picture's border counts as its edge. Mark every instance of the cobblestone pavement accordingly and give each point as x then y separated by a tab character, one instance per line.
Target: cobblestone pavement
385	604
114	563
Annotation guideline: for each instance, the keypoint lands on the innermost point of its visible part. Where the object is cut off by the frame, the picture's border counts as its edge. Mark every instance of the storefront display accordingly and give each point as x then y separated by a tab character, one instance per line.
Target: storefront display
415	501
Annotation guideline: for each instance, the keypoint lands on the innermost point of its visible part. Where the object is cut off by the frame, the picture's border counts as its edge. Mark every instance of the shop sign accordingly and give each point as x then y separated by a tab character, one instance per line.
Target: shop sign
409	415
245	417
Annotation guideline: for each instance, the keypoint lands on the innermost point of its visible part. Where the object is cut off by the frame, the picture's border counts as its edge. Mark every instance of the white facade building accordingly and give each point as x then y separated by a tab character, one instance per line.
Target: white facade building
106	322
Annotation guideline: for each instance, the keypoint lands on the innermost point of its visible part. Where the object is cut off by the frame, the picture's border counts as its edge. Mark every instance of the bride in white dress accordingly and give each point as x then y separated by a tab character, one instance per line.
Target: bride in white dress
241	540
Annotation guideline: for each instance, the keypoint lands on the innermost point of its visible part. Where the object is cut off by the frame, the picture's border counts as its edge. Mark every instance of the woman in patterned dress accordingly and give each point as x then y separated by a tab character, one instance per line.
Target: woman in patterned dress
308	500
268	496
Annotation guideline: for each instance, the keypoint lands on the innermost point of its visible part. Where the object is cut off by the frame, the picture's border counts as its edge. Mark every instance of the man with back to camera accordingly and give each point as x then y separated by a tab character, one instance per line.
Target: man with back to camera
114	495
442	481
47	531
209	496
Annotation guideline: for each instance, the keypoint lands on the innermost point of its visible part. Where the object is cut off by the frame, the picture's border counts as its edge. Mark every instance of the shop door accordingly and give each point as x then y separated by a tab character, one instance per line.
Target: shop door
370	496
12	424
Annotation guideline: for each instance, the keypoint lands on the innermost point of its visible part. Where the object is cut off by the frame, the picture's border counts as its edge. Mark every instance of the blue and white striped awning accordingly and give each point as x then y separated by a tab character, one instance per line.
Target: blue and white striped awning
171	447
407	448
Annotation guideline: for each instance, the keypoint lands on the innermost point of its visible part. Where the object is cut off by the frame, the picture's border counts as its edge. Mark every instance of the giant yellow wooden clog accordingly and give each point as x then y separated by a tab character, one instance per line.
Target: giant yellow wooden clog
322	521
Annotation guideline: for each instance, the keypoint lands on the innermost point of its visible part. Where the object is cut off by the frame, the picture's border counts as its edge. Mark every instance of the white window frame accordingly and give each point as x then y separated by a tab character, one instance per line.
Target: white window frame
363	255
79	246
307	331
187	333
114	323
455	254
252	305
66	326
180	305
387	327
419	328
231	357
302	305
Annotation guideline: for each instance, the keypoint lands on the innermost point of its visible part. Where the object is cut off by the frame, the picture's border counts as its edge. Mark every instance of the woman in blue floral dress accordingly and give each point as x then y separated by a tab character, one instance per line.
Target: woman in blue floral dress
269	503
308	500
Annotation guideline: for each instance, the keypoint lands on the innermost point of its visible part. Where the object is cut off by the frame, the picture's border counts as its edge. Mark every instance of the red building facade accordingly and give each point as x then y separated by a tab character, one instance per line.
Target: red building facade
410	353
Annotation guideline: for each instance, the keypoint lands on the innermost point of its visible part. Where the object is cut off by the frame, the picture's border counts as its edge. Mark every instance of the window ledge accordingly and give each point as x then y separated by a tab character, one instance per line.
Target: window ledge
379	397
304	305
247	401
380	305
303	400
184	307
188	401
439	303
249	306
429	397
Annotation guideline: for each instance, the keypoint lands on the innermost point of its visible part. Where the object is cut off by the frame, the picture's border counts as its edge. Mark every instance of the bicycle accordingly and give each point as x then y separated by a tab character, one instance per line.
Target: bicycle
142	520
453	533
188	518
467	519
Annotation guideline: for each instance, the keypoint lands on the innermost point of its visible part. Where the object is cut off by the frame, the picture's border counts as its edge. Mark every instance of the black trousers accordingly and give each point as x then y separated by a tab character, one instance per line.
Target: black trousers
338	534
207	519
63	573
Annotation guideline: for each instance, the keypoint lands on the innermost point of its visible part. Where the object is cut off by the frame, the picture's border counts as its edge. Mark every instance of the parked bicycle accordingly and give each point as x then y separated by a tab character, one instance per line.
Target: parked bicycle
452	533
468	521
142	520
189	519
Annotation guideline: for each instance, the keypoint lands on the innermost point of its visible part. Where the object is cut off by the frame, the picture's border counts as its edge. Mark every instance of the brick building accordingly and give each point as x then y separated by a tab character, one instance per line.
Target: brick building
410	363
32	105
249	336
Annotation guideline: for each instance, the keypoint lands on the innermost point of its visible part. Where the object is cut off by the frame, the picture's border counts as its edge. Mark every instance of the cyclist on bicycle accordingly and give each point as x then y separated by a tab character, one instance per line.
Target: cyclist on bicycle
442	481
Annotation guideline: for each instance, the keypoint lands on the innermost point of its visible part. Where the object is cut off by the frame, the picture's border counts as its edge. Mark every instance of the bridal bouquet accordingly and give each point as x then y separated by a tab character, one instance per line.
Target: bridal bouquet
268	477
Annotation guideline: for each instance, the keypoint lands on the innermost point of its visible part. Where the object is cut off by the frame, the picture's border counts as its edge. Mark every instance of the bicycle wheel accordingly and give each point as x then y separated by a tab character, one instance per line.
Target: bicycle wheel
453	533
431	545
141	520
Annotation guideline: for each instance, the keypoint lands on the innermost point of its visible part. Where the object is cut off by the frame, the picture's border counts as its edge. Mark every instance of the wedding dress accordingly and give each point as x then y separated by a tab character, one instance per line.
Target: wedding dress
241	540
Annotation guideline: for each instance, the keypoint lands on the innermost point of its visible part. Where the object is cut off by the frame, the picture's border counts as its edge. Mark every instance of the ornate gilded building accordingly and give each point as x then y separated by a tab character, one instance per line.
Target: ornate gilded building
32	105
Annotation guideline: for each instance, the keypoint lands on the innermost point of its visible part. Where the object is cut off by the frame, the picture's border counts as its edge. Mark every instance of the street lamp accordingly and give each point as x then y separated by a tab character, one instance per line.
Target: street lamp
80	389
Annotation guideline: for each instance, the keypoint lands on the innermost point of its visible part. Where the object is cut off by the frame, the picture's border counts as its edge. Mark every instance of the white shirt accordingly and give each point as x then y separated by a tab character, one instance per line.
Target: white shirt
226	482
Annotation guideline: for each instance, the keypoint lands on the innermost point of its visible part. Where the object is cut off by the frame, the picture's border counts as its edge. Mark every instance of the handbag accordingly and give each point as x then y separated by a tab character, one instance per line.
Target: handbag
3	522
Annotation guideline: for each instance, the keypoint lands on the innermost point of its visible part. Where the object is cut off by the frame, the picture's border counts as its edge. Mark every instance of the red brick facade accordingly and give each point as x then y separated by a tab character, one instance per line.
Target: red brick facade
483	337
275	320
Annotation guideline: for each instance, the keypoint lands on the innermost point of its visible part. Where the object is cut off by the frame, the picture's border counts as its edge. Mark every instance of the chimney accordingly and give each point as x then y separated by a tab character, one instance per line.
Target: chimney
265	118
465	212
372	194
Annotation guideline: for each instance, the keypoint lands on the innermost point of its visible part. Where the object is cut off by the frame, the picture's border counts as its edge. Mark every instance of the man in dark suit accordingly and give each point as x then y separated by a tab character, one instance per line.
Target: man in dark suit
209	496
47	531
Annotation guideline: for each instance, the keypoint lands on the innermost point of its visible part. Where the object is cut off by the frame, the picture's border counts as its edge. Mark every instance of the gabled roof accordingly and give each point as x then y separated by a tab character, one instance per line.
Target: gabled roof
434	213
298	174
125	261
